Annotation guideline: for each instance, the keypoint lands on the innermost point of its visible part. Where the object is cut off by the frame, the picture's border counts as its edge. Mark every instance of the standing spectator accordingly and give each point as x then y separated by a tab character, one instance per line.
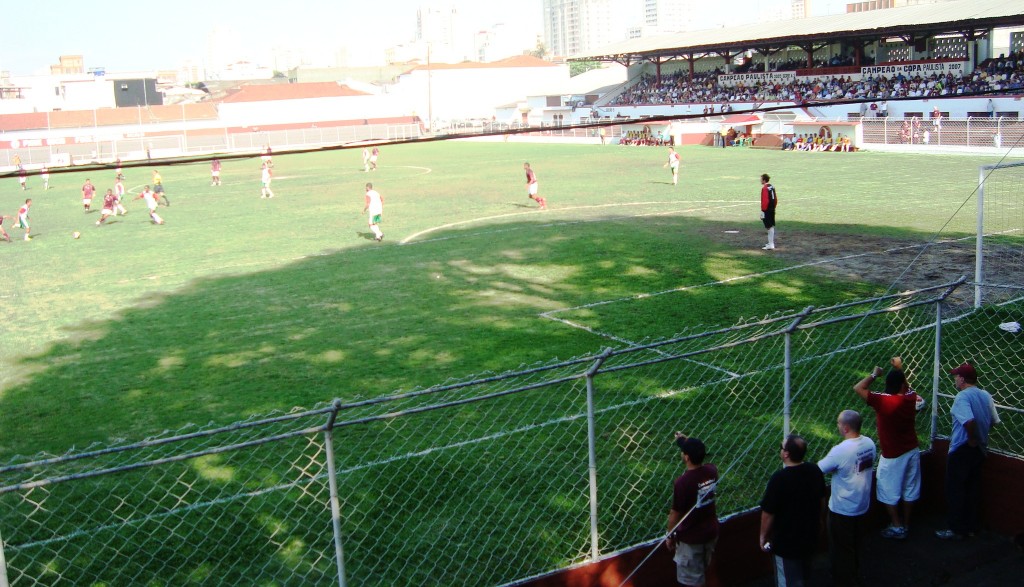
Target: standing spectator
899	468
768	202
531	187
692	519
791	513
974	414
724	135
215	172
850	463
673	164
375	206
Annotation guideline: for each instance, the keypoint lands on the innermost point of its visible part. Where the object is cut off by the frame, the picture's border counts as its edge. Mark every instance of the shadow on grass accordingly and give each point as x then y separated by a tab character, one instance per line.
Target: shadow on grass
358	324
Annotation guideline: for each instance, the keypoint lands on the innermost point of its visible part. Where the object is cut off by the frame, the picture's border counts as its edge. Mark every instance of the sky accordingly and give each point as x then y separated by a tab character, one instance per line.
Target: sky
119	35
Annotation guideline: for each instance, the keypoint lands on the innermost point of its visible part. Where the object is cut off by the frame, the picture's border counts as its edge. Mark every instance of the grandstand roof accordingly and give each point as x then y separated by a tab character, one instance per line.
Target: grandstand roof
517	61
943	17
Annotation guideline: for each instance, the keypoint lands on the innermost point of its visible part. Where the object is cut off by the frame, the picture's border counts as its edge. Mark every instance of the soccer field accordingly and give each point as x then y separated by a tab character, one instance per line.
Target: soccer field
240	305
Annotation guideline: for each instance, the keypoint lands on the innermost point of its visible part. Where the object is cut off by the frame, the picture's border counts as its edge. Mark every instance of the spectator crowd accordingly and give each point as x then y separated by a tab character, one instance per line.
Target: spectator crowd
1002	73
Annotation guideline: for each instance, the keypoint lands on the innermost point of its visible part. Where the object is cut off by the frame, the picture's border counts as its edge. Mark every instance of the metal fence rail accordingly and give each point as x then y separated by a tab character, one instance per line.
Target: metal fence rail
487	481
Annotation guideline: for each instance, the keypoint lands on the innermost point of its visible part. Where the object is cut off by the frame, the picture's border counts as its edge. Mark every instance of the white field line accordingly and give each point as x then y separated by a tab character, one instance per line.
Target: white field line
412	237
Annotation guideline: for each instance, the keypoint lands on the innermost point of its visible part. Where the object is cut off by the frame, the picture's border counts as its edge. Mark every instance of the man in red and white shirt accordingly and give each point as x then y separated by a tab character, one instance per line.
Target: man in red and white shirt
150	198
531	187
899	468
23	218
109	203
673	163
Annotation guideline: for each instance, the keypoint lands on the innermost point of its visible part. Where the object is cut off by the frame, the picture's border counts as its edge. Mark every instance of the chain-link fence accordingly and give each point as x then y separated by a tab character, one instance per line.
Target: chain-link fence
489	481
998	132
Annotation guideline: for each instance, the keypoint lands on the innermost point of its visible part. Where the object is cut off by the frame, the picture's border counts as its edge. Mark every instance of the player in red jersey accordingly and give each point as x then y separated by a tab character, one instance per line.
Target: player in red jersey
215	172
109	202
88	190
3	233
531	187
22	177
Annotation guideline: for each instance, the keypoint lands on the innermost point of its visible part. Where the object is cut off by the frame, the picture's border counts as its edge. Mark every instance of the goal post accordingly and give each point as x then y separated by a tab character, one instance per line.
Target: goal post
999	239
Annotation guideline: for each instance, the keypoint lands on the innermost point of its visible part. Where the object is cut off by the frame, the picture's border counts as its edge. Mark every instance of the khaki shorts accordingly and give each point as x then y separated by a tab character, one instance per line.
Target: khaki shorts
692	562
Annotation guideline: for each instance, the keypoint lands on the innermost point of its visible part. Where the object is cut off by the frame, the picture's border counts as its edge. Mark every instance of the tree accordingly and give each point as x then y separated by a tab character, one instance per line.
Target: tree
540	51
578	67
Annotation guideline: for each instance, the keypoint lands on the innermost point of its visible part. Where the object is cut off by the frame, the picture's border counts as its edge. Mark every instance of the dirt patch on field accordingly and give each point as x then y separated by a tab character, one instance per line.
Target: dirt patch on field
904	264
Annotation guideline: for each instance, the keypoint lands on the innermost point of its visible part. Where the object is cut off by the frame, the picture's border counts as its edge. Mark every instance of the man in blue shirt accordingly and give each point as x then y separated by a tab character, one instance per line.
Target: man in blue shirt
973	414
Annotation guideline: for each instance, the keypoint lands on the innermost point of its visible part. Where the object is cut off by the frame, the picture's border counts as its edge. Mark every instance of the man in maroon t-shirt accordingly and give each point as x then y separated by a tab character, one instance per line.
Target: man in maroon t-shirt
899	467
693	520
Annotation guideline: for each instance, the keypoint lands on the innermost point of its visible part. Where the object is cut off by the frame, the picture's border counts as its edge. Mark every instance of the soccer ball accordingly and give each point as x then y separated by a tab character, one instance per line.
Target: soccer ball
76	234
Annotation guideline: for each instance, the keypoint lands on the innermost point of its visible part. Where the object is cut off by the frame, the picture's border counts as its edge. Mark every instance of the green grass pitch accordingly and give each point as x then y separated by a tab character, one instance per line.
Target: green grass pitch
240	306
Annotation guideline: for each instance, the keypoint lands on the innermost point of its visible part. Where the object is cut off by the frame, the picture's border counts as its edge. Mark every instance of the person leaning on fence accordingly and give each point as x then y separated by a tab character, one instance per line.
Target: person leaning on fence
974	414
791	514
899	468
692	519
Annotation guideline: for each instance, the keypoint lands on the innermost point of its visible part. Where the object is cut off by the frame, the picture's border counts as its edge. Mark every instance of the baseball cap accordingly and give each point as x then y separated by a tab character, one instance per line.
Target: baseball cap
966	371
692	447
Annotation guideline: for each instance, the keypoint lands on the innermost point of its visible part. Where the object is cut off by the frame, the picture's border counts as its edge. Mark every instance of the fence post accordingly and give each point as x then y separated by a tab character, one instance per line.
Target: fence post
787	398
339	553
979	270
936	369
595	549
3	565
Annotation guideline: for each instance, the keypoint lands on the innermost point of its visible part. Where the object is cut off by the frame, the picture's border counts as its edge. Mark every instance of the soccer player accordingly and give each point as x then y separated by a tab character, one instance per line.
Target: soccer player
267	177
44	173
673	163
531	187
267	157
768	203
119	176
109	203
23	218
215	172
375	206
87	192
151	203
158	188
119	192
22	177
366	159
374	153
3	233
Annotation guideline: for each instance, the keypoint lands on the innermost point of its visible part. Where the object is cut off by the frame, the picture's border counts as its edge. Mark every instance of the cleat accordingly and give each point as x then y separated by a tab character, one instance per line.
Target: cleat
948	535
895	533
768	248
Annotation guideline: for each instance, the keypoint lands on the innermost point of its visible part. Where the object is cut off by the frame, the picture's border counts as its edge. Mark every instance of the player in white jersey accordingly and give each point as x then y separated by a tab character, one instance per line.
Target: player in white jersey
375	206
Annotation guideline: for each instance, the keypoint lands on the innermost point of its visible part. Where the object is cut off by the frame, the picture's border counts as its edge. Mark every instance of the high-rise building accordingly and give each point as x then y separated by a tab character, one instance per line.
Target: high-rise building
801	8
577	26
441	27
669	16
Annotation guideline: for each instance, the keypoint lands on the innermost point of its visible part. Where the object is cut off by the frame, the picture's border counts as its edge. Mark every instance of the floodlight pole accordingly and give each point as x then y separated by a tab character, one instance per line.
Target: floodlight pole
430	99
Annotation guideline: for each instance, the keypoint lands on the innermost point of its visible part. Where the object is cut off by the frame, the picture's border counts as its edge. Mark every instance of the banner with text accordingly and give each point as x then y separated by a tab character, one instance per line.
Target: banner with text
749	79
913	69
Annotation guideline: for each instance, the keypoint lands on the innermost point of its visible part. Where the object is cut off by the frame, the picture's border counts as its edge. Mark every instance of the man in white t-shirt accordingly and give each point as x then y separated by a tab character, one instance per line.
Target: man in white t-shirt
850	463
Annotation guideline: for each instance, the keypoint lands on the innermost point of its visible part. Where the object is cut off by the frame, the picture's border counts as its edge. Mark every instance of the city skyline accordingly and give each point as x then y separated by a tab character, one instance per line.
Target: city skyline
316	30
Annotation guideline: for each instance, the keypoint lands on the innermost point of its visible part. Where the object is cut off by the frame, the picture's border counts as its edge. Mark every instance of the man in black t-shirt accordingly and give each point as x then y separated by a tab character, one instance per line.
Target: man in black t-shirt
791	514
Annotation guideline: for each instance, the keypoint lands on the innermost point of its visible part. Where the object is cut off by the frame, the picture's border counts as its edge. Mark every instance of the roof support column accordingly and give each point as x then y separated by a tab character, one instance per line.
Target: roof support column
690	60
657	71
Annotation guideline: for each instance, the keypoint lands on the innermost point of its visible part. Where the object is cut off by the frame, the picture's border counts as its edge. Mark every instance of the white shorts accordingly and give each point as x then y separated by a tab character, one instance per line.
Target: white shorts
87	201
899	478
532	189
215	173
